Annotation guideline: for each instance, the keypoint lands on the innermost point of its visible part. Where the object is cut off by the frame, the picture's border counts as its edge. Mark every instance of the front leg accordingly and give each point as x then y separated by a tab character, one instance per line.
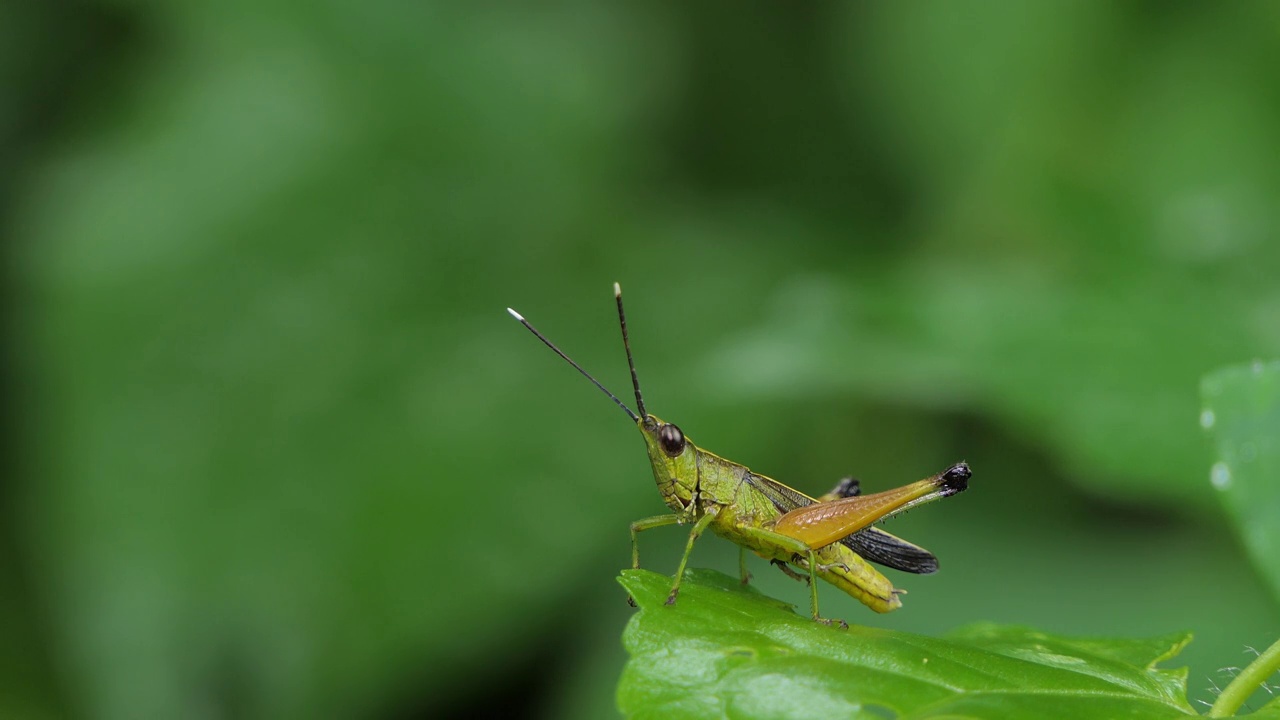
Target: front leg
697	531
648	524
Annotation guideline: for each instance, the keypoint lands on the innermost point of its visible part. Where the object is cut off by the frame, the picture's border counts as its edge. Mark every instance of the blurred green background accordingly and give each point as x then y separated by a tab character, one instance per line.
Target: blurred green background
278	451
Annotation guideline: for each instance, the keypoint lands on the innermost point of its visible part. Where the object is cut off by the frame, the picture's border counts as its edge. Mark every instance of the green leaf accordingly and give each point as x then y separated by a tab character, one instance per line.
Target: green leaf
1270	711
268	394
1242	414
1047	291
727	651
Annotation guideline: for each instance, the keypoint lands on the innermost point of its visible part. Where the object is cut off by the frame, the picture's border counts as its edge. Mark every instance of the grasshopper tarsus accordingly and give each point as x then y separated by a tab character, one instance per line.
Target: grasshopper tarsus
671	599
631	601
833	622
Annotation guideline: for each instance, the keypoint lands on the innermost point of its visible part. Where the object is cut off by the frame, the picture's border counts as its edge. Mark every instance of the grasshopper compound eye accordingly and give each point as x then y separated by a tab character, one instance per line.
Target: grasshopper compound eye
671	439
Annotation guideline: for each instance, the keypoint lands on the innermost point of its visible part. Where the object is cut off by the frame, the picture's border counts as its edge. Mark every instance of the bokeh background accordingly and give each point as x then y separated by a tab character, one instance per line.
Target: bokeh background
277	450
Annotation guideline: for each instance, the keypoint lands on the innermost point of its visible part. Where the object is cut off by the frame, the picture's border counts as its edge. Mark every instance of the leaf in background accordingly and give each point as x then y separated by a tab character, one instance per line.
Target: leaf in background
728	651
1242	414
1045	276
275	368
267	262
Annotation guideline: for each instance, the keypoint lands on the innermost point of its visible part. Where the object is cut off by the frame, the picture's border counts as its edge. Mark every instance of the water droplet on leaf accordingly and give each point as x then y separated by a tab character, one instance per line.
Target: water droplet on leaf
1220	476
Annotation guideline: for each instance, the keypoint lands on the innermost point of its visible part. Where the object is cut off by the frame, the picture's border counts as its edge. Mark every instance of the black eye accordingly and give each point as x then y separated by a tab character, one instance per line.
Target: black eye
671	439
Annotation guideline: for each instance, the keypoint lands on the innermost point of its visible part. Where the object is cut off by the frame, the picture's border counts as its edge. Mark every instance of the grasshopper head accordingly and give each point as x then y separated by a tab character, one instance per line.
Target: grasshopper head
674	460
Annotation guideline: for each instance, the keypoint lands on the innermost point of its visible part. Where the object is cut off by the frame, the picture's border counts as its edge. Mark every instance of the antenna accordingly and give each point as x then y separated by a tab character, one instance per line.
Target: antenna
626	343
576	366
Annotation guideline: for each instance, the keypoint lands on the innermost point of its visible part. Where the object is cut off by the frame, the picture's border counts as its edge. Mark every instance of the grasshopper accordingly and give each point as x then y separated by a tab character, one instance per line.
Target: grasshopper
830	537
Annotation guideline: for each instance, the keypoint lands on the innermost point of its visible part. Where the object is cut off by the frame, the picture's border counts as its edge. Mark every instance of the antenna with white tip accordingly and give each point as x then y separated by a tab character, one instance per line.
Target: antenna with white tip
626	343
578	367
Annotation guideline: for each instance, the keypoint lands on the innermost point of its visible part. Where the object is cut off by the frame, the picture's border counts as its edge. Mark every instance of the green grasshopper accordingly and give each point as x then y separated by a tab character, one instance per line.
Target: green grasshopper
831	537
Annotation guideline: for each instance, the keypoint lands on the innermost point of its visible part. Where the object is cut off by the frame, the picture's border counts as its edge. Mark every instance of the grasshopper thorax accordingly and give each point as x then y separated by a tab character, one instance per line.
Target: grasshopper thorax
674	460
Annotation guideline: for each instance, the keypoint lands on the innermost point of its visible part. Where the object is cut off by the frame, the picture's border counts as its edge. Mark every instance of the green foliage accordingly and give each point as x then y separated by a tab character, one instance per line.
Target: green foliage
1082	272
1242	413
726	651
1270	711
282	454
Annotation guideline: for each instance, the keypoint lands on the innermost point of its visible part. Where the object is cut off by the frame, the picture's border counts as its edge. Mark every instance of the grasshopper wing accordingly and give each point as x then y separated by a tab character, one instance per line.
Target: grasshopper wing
891	551
785	499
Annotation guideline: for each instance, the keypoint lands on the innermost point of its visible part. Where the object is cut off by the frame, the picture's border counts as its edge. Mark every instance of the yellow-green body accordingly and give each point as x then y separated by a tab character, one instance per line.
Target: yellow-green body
742	504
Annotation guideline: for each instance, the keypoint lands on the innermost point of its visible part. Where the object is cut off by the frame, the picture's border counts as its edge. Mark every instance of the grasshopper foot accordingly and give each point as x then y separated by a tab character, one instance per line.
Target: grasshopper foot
833	622
631	601
671	599
746	579
824	568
